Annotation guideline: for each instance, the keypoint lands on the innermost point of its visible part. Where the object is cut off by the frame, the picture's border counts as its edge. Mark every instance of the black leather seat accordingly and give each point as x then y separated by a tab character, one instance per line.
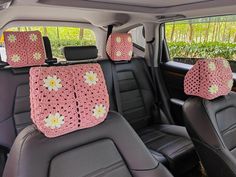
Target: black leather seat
135	99
100	150
111	148
210	118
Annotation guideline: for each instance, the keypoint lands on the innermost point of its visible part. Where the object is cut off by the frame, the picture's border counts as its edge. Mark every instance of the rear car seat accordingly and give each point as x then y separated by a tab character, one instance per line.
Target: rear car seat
15	109
135	97
169	144
74	138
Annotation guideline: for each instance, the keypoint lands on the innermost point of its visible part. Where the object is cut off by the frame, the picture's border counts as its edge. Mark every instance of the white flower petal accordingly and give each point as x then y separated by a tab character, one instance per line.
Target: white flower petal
52	83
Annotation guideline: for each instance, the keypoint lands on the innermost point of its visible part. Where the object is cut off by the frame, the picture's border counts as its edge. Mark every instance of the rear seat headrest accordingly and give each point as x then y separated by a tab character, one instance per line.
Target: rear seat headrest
119	47
24	48
75	53
209	79
67	98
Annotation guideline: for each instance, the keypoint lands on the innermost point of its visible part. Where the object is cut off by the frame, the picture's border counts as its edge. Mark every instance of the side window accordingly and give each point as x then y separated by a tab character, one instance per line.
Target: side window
138	38
59	38
212	37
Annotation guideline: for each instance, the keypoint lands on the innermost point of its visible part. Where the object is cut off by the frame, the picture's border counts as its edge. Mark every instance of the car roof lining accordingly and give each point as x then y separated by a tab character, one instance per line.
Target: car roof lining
103	12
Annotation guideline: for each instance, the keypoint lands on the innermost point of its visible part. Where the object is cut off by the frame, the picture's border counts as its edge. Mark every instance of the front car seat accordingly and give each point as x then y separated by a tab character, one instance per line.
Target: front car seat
74	134
210	115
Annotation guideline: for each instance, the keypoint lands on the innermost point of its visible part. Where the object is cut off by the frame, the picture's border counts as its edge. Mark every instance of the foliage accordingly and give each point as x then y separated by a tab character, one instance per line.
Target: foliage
203	38
202	50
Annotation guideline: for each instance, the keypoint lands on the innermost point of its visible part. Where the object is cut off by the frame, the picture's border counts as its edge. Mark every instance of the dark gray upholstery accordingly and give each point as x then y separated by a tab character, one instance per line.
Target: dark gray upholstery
110	149
137	99
14	104
211	125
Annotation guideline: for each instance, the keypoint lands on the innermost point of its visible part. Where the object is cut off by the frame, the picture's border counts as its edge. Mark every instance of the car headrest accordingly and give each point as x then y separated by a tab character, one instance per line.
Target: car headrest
119	47
209	79
24	48
75	53
67	98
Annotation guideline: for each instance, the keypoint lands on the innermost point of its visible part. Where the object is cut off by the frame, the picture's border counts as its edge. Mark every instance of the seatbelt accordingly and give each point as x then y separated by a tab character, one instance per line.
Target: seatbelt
156	87
109	30
115	77
156	110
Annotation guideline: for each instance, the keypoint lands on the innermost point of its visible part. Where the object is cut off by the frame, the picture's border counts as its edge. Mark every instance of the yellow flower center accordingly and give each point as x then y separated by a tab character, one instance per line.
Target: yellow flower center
52	83
91	78
54	121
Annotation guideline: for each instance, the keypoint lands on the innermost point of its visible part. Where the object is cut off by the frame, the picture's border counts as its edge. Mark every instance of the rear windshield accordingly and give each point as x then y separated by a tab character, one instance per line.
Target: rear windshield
59	38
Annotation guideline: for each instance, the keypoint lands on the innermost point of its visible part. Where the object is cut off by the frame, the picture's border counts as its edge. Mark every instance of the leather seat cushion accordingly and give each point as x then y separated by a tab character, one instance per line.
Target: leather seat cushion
173	143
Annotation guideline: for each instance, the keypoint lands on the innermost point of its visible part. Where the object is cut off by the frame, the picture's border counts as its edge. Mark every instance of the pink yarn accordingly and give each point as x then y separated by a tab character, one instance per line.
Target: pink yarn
24	48
75	100
209	79
120	47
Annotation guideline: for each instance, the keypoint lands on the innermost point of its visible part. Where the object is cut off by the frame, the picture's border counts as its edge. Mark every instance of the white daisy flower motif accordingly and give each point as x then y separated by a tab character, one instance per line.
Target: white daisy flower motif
11	38
54	121
118	53
37	56
99	111
33	37
15	58
129	39
225	63
213	89
91	78
52	83
212	66
230	83
118	39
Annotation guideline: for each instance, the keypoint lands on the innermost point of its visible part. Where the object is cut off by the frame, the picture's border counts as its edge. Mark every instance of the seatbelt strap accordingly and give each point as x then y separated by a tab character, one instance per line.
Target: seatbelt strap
152	77
156	87
116	88
109	30
115	77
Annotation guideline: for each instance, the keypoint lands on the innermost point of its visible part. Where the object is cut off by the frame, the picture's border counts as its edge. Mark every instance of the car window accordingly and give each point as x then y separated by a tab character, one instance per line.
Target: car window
138	38
59	38
193	39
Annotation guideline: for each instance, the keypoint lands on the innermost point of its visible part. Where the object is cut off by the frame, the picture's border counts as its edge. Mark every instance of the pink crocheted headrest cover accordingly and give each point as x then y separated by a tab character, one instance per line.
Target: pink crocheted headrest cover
119	47
67	98
24	48
209	79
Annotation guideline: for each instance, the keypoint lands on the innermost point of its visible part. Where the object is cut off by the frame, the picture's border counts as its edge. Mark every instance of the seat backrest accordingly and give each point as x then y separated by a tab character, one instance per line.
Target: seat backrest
105	145
210	115
24	50
132	80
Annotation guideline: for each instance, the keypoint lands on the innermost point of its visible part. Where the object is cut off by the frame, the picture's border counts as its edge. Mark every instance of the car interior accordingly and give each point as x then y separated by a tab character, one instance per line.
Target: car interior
93	88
